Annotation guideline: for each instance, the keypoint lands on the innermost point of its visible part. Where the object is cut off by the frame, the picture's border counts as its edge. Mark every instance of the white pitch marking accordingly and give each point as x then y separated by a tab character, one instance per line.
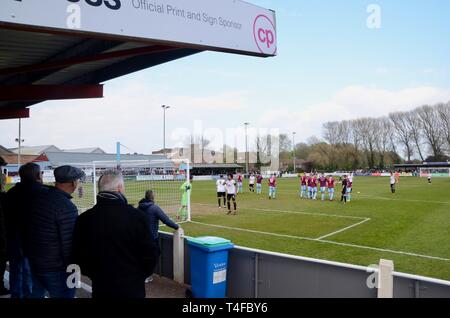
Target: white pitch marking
297	212
344	229
326	242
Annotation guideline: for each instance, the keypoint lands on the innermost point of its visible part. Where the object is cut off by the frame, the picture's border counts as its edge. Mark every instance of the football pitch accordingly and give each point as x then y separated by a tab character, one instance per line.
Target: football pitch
412	227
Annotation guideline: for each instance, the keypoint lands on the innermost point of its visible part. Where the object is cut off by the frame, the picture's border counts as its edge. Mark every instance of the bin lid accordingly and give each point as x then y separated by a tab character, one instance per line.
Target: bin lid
209	241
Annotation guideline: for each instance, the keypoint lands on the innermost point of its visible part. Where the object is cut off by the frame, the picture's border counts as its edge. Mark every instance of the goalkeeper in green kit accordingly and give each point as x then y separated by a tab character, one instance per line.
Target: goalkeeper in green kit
186	188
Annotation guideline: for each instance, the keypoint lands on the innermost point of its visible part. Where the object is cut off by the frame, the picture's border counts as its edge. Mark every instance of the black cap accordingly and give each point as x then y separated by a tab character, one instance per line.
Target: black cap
66	174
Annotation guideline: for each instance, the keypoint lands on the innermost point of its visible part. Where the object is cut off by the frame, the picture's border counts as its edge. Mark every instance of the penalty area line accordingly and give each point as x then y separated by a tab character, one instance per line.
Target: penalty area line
325	242
296	212
344	229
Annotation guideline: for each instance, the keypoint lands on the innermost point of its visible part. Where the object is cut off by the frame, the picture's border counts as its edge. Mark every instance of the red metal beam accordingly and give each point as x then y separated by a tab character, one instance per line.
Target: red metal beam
49	92
14	113
86	59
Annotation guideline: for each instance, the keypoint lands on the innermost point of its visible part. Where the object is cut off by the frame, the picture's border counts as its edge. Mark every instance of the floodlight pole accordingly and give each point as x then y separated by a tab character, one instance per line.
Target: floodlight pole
164	107
19	140
246	148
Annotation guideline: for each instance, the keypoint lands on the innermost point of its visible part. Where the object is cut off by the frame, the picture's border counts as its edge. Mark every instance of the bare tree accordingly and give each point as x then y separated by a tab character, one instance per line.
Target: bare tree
429	118
344	132
444	122
383	129
414	125
366	129
402	132
331	132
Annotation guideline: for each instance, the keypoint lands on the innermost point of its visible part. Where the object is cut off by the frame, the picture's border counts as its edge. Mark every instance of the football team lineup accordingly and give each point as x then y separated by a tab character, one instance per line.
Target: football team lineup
409	227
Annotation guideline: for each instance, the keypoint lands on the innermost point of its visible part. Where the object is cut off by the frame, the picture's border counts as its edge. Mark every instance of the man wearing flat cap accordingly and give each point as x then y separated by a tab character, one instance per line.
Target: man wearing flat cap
50	231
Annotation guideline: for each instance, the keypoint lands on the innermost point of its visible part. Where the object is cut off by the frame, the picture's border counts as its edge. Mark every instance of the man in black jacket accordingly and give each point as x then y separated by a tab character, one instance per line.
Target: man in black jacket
49	235
112	243
155	214
3	290
16	207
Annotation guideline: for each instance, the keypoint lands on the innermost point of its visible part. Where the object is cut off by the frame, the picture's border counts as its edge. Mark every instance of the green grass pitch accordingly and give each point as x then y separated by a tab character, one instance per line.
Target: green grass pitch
412	227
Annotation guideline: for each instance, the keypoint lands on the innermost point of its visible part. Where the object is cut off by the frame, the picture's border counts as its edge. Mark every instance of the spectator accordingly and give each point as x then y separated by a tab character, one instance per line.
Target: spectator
3	290
2	176
113	244
155	214
49	234
17	206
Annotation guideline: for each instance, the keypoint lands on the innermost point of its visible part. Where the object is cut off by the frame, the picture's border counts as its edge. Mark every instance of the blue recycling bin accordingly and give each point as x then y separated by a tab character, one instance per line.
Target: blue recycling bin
209	262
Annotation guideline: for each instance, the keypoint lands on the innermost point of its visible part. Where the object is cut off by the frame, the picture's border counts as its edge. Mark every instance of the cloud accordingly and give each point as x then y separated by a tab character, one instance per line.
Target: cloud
350	103
132	115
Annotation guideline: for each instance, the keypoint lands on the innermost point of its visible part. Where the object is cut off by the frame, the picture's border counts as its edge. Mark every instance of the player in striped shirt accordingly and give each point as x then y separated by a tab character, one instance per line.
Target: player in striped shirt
272	187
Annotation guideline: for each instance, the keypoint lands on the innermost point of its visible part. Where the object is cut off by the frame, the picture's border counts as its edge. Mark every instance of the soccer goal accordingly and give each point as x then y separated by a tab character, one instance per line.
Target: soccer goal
168	179
435	172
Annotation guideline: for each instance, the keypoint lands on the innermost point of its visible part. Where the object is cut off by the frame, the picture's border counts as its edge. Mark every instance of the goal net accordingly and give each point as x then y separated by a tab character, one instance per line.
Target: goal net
168	179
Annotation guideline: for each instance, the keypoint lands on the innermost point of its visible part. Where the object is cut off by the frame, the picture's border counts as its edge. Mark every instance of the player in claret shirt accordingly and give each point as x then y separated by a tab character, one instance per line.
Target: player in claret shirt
303	189
259	179
313	187
349	188
308	184
330	185
323	186
240	180
272	187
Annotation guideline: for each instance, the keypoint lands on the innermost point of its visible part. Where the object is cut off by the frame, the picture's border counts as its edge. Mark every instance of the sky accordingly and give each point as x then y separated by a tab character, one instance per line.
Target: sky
330	66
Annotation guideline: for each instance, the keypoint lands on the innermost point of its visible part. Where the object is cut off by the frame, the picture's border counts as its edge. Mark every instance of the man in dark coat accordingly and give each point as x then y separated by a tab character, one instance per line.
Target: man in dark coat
17	206
112	243
3	290
50	226
155	214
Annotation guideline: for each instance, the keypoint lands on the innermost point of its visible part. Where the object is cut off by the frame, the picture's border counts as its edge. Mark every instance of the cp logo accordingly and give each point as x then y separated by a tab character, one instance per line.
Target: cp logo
265	35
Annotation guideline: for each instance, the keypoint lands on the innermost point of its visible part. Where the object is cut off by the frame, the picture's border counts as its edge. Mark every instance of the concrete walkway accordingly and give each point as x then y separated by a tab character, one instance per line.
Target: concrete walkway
160	287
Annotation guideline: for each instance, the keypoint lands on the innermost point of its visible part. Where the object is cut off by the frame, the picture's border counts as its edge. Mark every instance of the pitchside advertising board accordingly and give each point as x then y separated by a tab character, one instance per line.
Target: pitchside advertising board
228	25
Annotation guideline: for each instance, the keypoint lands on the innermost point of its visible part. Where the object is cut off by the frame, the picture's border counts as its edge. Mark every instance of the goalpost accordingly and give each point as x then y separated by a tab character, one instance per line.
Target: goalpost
169	179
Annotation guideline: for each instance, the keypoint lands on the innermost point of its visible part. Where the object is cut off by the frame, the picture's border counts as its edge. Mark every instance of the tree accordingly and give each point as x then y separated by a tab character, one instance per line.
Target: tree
331	132
444	122
434	136
366	130
383	127
402	131
414	126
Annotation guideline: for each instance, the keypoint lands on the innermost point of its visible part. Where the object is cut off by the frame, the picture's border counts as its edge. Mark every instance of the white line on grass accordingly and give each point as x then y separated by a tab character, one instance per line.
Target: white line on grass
344	229
297	212
324	241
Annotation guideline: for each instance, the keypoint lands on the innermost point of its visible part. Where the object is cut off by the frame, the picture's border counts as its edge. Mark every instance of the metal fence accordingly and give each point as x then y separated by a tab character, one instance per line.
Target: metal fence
260	274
